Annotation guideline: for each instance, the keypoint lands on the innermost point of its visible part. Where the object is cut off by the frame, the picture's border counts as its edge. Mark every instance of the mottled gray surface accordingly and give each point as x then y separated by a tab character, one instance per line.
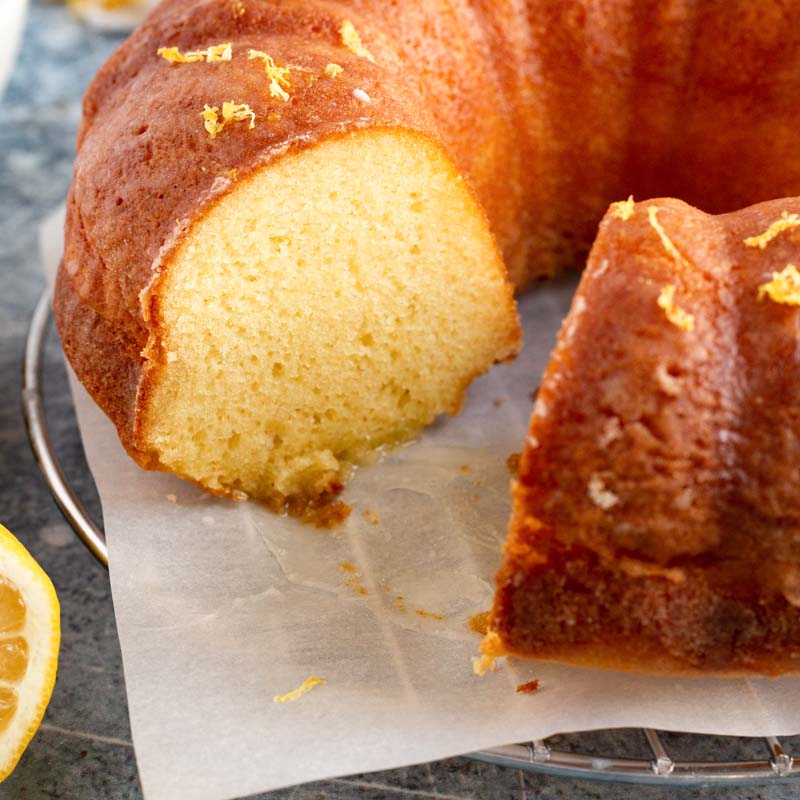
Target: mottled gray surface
83	750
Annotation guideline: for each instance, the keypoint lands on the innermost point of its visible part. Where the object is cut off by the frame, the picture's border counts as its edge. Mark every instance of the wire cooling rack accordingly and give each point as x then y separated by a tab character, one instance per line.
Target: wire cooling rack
660	767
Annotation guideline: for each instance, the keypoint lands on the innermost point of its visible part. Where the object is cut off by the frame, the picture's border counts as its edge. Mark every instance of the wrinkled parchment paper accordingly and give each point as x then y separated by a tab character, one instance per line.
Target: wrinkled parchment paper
221	606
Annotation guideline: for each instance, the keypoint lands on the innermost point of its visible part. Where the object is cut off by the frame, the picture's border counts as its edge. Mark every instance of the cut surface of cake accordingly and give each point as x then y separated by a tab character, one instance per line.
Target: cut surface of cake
316	315
656	513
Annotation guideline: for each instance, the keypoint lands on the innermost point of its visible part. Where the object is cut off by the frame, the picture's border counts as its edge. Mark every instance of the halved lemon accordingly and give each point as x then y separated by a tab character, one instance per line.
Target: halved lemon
30	635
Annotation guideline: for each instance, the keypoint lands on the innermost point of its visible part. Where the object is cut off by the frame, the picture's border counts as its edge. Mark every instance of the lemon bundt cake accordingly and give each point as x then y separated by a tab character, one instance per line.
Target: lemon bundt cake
656	512
284	233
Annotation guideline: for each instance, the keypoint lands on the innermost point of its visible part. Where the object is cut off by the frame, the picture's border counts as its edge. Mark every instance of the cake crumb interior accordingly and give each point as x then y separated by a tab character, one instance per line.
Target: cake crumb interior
333	304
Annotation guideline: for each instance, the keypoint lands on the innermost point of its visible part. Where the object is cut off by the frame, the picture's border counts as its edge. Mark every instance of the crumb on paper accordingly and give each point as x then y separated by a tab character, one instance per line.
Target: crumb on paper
429	614
669	245
327	515
479	623
306	686
783	288
278	76
674	313
173	498
237	9
622	209
371	517
213	54
231	112
333	70
600	495
785	223
352	41
465	468
476	497
347	566
483	664
491	649
399	603
362	96
499	401
512	462
356	587
528	688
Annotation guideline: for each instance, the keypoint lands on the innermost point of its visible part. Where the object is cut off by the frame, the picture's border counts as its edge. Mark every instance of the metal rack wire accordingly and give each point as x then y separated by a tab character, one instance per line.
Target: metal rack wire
537	756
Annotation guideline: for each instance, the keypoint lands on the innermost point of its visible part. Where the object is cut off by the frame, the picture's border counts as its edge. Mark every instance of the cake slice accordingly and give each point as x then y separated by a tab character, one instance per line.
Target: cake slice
656	516
309	317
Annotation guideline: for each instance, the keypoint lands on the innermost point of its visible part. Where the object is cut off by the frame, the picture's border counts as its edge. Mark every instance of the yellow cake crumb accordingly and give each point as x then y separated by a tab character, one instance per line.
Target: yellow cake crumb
306	686
675	314
237	9
215	53
332	70
231	112
372	517
491	649
783	288
352	41
669	245
622	209
278	76
785	223
483	664
347	566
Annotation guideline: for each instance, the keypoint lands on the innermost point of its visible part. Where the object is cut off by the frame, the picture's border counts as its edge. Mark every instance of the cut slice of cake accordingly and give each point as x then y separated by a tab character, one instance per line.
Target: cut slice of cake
330	304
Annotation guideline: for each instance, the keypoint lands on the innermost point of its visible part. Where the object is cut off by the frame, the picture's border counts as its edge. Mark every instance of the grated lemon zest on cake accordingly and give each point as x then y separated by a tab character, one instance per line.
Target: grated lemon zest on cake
352	41
237	9
669	245
332	70
231	112
675	314
215	53
601	496
278	76
783	288
306	686
622	209
785	223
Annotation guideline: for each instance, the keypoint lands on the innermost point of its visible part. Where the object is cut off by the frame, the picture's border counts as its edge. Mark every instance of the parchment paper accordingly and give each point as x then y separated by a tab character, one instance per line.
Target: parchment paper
221	606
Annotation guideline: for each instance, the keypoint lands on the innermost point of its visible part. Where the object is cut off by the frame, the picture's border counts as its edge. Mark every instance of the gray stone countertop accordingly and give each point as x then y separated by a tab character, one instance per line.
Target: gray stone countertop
83	749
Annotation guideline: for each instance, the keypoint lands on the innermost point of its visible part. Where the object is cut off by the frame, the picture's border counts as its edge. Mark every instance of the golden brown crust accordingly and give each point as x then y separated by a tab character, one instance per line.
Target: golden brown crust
656	512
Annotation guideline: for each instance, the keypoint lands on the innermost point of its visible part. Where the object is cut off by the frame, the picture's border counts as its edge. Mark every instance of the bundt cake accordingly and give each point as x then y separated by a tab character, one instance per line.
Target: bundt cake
284	234
656	513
